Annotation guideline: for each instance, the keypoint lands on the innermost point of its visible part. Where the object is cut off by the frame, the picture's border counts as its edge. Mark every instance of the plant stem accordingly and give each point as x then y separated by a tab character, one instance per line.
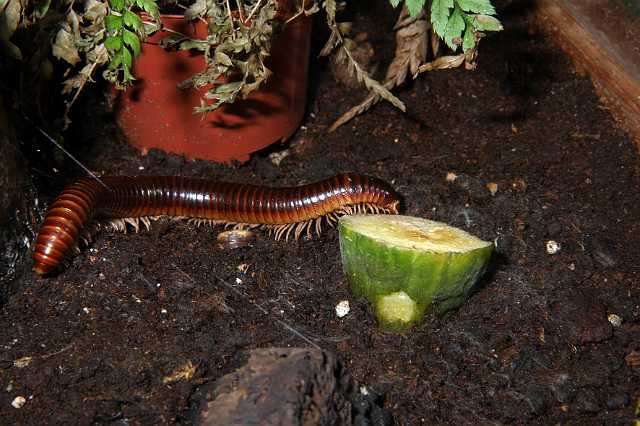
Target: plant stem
255	7
233	33
240	6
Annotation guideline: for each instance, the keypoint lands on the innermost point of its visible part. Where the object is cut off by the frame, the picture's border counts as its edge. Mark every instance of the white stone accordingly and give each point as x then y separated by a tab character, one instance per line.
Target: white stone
342	308
18	402
553	247
615	320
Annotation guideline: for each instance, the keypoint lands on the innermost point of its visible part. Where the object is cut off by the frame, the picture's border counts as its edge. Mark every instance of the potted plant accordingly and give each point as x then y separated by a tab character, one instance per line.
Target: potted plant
239	65
238	54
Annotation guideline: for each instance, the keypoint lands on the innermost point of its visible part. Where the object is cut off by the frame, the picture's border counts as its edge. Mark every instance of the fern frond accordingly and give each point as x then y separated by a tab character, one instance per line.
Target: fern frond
361	75
412	34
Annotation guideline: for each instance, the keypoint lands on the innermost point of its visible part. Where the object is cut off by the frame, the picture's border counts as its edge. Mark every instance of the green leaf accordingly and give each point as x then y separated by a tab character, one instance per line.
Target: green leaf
198	8
222	58
41	8
229	88
133	21
128	77
113	22
477	6
469	40
117	5
151	8
113	43
487	23
127	59
115	61
415	7
395	3
440	11
132	41
453	31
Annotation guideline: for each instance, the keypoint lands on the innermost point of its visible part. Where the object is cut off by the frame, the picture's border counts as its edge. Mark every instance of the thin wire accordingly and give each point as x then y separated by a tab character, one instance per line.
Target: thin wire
260	308
264	311
60	147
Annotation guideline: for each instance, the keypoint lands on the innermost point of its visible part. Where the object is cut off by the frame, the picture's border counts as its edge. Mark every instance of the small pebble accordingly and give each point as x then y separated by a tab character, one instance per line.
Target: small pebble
234	239
163	311
451	176
633	359
18	402
493	188
553	247
22	362
277	157
85	310
519	185
342	308
615	320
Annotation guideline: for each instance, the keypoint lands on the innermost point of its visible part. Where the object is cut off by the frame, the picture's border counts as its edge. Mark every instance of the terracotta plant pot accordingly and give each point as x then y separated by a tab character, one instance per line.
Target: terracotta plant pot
154	113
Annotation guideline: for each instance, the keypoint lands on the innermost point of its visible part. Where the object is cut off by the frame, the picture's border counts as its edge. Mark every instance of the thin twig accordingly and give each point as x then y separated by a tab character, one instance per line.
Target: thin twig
183	7
240	10
255	7
75	96
58	352
233	33
300	12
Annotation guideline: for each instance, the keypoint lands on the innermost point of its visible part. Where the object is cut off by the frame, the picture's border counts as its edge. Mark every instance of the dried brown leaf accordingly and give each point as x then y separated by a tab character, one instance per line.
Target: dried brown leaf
441	63
411	46
435	44
10	18
411	51
64	47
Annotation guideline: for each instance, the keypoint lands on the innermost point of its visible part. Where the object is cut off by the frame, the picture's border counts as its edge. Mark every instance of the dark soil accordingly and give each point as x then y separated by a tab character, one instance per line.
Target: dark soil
533	344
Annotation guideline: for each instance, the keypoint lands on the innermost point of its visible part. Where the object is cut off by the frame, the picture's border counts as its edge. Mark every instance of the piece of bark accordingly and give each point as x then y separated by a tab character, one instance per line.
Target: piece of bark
280	386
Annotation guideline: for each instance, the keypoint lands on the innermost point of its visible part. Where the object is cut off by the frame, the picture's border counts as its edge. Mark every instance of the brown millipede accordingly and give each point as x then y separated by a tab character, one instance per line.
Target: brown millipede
123	199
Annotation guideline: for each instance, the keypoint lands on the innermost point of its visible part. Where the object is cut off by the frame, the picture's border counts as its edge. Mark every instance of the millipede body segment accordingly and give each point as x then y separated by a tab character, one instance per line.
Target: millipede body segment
130	199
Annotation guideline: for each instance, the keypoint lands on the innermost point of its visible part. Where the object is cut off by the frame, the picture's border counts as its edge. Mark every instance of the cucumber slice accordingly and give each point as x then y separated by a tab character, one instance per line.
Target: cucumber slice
404	265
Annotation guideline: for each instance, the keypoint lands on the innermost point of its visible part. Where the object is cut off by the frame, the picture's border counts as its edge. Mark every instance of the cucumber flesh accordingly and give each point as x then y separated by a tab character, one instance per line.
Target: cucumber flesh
410	263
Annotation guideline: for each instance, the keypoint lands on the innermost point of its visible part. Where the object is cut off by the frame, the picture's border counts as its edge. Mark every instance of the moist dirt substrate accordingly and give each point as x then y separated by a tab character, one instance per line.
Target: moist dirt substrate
533	344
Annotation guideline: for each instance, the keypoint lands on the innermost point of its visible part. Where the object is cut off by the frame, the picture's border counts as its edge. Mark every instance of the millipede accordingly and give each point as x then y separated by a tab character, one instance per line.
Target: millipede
131	200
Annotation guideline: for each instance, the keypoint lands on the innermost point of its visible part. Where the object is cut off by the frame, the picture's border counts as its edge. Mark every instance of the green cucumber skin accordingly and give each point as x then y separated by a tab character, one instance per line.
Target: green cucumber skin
374	269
